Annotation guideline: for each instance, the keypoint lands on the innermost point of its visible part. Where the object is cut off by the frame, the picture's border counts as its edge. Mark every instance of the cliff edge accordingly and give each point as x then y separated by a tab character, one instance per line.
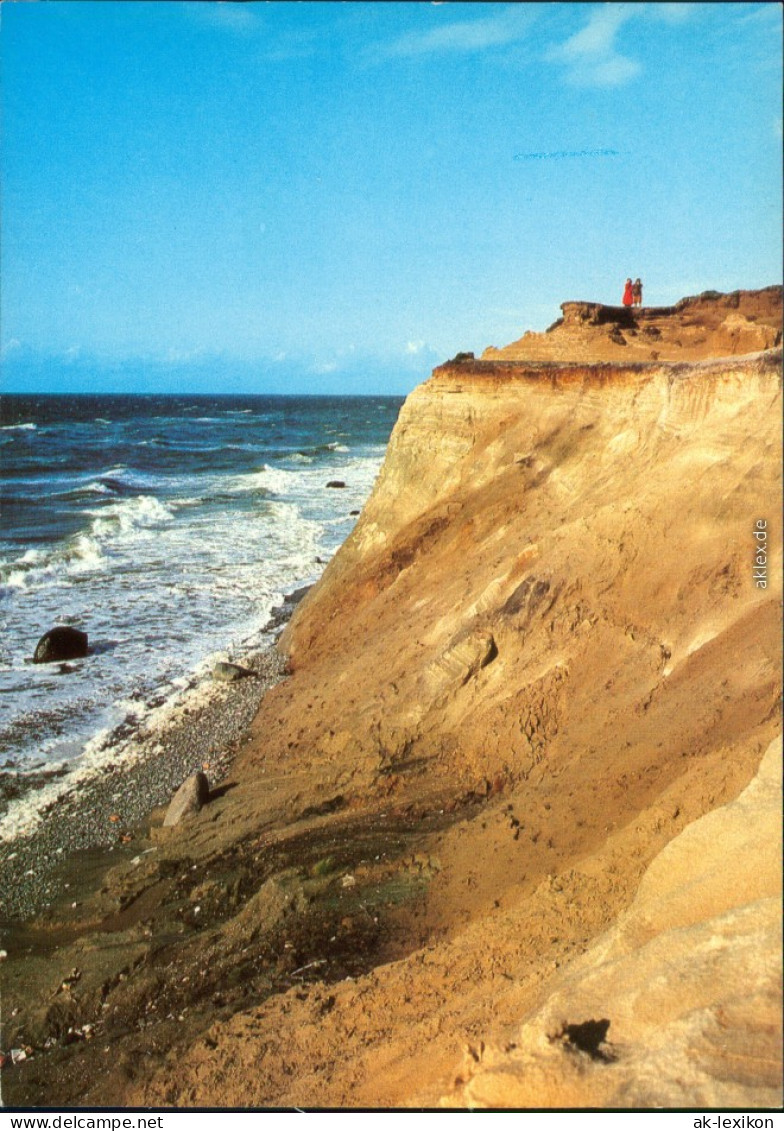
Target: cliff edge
707	325
500	783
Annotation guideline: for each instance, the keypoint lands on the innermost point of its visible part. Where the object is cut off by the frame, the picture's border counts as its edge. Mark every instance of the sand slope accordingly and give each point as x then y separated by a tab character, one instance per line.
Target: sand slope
679	1004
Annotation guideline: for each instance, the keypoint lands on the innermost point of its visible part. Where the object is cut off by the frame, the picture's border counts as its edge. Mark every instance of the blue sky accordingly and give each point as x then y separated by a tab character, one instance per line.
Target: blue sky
332	197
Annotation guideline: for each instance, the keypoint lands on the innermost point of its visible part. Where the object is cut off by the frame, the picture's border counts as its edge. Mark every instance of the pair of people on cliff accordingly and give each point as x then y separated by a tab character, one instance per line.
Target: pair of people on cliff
632	294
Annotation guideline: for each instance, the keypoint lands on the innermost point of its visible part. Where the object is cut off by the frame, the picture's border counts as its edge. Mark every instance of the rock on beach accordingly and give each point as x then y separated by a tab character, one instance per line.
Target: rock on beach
60	643
225	672
189	798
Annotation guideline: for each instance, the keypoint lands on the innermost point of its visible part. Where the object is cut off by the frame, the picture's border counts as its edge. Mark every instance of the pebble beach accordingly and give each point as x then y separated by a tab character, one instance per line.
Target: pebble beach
203	732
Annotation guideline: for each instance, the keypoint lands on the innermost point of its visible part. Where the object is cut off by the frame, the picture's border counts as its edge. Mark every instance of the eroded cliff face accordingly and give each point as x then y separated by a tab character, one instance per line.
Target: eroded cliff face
551	596
549	550
467	818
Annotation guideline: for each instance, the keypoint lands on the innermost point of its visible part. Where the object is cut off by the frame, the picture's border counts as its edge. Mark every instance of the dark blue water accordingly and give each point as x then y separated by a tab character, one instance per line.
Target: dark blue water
166	527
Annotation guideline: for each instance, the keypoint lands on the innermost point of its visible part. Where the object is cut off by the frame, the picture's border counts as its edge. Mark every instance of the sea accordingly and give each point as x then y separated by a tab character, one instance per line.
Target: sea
167	528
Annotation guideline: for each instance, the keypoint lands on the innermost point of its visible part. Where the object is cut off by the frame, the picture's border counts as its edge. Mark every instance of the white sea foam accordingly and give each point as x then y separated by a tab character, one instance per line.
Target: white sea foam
91	488
85	554
19	427
184	694
33	556
13	579
128	516
123	521
266	478
122	481
35	569
190	501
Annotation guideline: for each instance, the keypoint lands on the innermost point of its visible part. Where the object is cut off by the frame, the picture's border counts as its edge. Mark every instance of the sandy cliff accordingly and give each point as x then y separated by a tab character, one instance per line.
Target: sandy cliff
707	325
679	1004
492	806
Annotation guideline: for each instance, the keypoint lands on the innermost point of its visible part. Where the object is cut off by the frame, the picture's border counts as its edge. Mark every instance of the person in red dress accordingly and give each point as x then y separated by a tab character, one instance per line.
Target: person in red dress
628	295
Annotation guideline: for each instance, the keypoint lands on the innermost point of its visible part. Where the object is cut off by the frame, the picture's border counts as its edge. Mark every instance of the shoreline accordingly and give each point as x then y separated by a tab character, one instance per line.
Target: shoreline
105	811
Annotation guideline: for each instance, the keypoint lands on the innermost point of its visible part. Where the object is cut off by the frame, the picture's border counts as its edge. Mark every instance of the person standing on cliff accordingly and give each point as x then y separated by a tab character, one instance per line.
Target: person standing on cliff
637	292
628	293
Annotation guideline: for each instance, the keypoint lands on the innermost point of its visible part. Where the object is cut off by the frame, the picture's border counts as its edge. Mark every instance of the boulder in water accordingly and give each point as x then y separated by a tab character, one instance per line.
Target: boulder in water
60	643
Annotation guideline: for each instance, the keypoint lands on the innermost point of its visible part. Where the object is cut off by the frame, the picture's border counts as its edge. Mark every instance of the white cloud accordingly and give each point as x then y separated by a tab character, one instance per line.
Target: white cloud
508	25
597	38
12	346
300	44
760	14
591	56
415	347
614	71
225	16
590	53
176	356
672	13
